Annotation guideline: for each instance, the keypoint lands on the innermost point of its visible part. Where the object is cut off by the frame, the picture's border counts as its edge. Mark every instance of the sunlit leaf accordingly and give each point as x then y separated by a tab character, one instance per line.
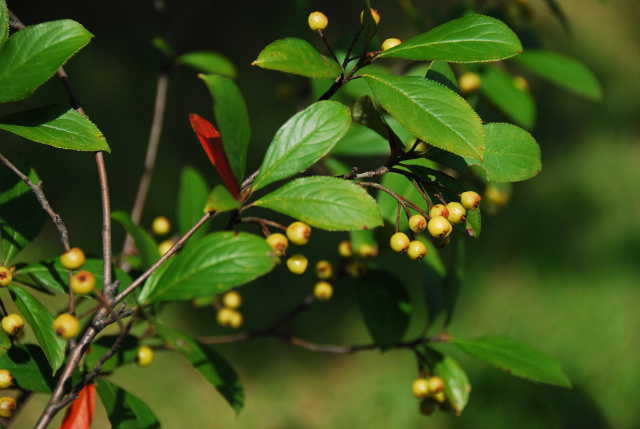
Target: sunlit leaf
220	200
208	62
124	410
297	56
516	104
192	197
456	382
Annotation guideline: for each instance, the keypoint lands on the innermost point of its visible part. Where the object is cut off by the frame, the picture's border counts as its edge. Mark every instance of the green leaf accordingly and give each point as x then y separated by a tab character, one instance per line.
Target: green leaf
41	322
447	159
472	38
124	410
456	382
368	23
441	72
29	368
126	354
208	62
564	71
220	200
434	271
192	198
514	357
516	104
297	56
365	113
233	121
4	22
474	223
511	155
430	111
32	55
21	216
146	246
454	278
388	205
163	46
215	369
361	141
5	342
212	265
325	203
56	126
385	307
303	140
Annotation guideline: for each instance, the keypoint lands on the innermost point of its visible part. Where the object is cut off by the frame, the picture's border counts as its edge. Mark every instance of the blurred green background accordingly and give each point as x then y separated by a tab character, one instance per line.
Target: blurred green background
558	267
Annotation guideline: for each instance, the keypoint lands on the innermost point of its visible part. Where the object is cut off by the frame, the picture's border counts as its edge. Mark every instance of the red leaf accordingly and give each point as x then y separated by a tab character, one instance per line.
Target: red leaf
212	143
80	413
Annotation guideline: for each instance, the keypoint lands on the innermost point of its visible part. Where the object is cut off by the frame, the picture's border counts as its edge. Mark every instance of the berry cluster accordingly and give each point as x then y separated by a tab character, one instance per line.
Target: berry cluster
228	315
431	393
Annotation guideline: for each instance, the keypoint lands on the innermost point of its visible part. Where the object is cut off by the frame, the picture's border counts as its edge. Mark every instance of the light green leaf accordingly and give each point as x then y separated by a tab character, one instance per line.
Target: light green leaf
221	200
430	111
192	197
4	22
211	265
516	104
297	56
208	62
303	140
456	382
32	55
232	119
29	367
146	246
41	322
472	38
441	72
474	223
325	203
56	126
511	155
124	410
562	70
514	357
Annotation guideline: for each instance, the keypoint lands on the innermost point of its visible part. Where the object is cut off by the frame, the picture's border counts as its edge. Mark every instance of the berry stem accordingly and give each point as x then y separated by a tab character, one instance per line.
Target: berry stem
329	48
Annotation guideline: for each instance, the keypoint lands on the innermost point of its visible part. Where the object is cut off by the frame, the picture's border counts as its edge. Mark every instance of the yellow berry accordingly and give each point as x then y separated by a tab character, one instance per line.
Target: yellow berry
5	276
439	210
439	227
144	357
161	225
496	195
278	243
5	378
367	251
232	299
457	212
420	388
417	223
521	83
324	269
440	396
165	246
297	263
66	325
374	14
7	407
73	259
470	200
399	242
469	82
417	250
82	282
356	269
344	249
229	318
323	291
299	233
12	324
390	43
318	21
436	384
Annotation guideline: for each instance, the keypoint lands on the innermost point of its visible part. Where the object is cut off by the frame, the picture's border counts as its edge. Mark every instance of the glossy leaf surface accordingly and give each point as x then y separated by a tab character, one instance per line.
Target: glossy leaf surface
192	197
441	72
516	104
29	367
220	200
124	410
208	62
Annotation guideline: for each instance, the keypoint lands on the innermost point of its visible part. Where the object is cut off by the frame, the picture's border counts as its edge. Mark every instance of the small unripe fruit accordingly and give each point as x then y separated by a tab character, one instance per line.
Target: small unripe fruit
299	233
399	242
356	269
12	324
367	251
161	225
165	246
457	212
344	249
297	263
440	242
324	269
5	276
5	378
469	82
439	210
496	196
7	407
470	200
229	318
390	43
436	384
439	227
420	388
416	250
66	325
417	223
82	282
318	21
323	291
144	356
374	14
521	83
440	396
73	259
232	299
278	243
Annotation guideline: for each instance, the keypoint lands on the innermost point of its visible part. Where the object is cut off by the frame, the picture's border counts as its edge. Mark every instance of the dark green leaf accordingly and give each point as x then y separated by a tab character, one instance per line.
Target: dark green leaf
441	72
208	62
514	357
233	121
220	200
516	104
454	278
126	354
456	382
471	38
4	22
555	8
213	367
385	307
21	216
124	410
212	265
5	342
146	246
192	198
365	113
564	71
447	159
41	322
361	141
56	126
29	368
303	140
297	56
511	155
325	203
434	272
161	44
32	55
368	23
474	223
430	111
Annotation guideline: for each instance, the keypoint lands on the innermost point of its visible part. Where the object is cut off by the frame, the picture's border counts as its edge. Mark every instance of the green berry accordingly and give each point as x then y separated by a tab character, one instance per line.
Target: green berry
470	200
399	242
439	227
318	21
417	250
457	212
390	43
323	291
420	388
73	259
324	269
299	233
278	243
417	223
297	263
66	325
5	276
439	210
82	282
144	356
12	324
